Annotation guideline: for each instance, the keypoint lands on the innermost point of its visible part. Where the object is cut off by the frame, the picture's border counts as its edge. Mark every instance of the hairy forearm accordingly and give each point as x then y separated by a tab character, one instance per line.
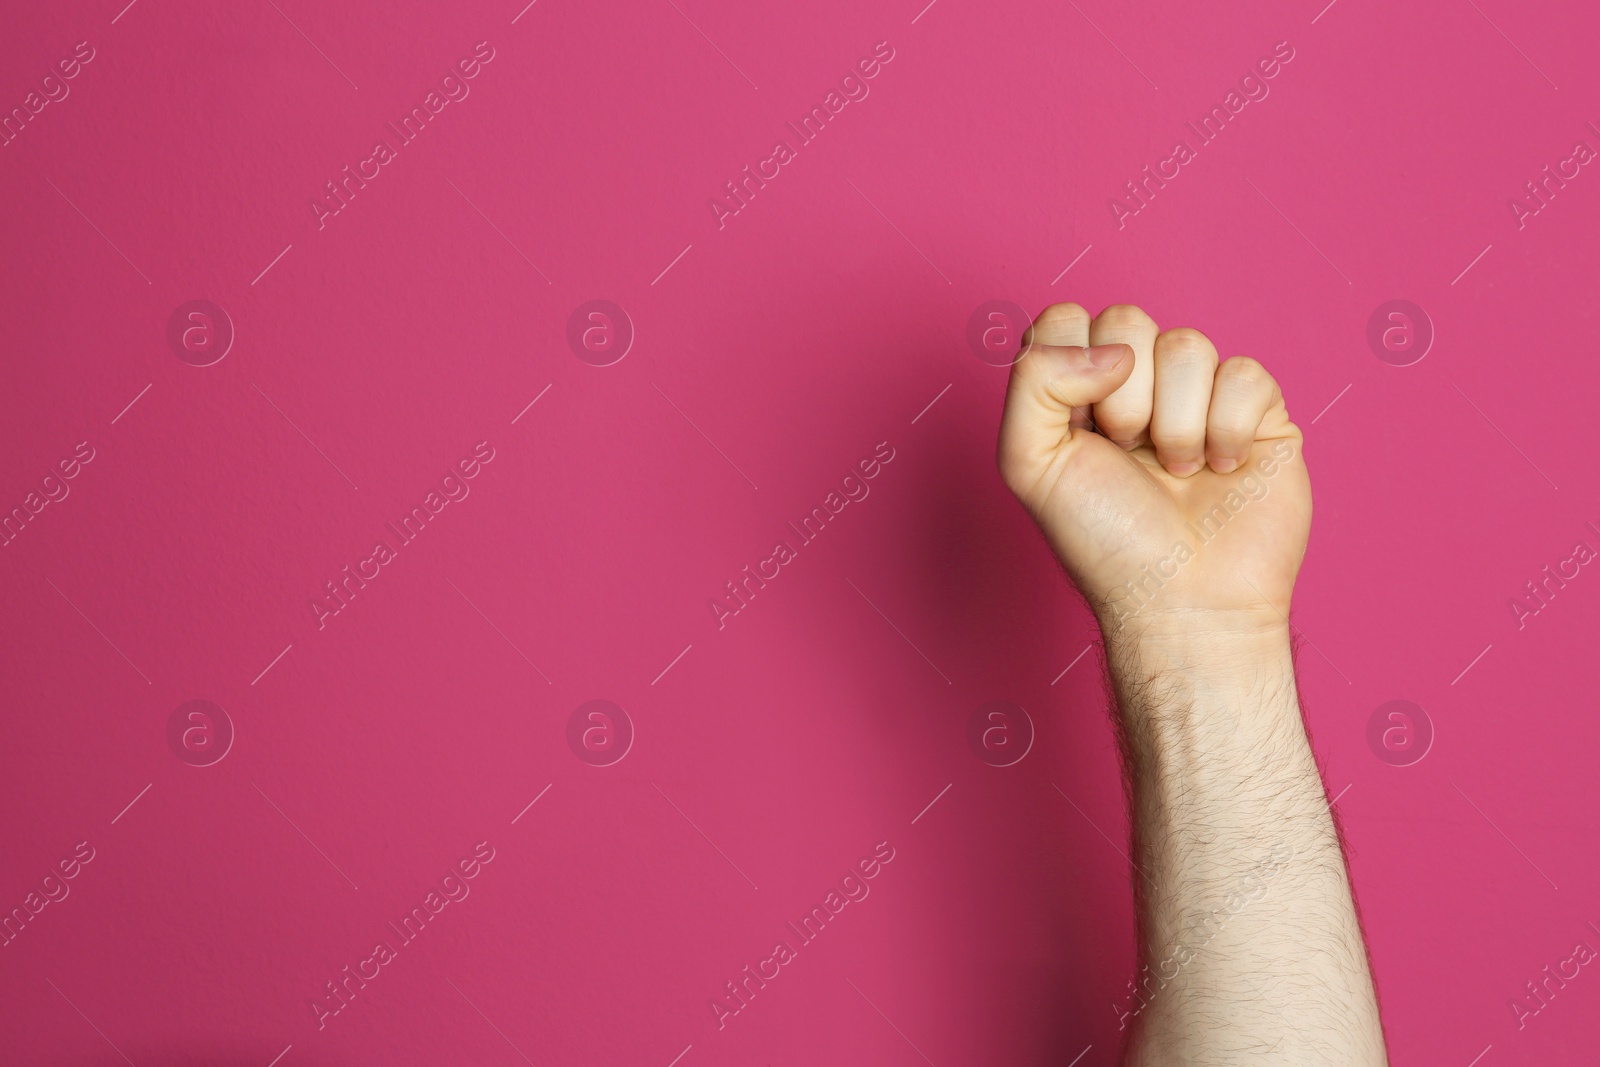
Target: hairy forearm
1250	948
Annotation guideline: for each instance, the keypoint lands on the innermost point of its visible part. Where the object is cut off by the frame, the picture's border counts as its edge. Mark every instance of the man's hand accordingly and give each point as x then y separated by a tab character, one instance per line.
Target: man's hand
1189	508
1174	492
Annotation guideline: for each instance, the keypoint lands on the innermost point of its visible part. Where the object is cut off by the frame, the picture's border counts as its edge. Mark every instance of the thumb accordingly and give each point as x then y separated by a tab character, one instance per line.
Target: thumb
1052	389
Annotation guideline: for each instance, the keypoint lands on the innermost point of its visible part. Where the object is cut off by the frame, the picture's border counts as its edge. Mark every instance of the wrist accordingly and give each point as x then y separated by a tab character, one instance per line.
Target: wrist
1205	667
1198	640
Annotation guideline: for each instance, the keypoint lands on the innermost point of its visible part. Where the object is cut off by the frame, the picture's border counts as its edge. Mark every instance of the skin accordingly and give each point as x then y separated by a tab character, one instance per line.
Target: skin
1125	442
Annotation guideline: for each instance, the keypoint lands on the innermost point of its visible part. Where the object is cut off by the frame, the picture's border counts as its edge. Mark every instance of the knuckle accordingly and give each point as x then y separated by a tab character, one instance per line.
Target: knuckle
1233	422
1121	429
1176	441
1246	371
1124	432
1059	317
1230	428
1119	432
1186	346
1124	317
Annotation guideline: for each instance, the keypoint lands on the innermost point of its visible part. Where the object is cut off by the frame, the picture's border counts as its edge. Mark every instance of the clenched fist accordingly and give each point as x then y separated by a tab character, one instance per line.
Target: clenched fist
1172	487
1174	491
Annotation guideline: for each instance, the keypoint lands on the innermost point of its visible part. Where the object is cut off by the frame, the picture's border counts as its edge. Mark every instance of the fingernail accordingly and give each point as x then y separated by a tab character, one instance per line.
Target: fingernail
1224	465
1105	357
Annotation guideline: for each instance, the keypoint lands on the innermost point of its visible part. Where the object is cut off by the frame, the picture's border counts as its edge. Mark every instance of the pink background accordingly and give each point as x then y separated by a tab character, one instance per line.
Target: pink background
818	322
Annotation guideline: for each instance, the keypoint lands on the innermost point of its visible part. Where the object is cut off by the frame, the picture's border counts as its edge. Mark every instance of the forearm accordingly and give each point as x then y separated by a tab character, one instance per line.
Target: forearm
1250	947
